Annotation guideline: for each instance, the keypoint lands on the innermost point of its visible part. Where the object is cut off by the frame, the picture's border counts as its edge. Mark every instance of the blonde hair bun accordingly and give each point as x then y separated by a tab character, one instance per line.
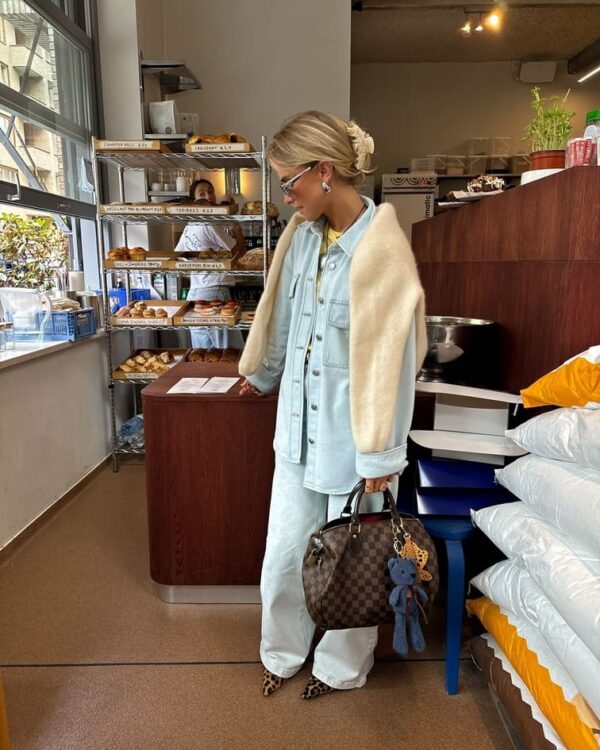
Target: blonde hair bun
313	136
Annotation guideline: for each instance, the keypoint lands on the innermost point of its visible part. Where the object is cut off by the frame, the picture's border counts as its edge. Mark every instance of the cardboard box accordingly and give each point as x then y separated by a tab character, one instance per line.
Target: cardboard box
104	145
218	148
140	209
173	307
187	211
179	355
187	317
154	259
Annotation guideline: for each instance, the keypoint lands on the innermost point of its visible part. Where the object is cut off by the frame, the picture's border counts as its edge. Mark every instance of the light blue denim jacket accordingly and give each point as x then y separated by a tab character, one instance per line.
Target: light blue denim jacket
316	398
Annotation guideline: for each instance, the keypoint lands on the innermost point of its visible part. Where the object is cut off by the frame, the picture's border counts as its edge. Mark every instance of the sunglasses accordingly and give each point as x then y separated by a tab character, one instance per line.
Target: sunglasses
288	185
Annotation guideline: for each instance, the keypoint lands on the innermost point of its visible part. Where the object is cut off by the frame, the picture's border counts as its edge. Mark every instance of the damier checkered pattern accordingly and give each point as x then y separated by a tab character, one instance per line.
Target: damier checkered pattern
350	586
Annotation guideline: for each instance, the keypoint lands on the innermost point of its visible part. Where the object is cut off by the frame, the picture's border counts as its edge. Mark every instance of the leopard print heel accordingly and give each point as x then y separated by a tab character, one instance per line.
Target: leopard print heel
314	688
271	682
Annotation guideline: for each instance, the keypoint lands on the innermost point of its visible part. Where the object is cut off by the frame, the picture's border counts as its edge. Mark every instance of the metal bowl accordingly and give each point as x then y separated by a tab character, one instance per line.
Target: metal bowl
455	348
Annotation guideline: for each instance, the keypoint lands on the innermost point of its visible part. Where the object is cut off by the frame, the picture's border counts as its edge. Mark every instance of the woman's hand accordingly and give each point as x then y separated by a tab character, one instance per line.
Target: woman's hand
379	484
247	389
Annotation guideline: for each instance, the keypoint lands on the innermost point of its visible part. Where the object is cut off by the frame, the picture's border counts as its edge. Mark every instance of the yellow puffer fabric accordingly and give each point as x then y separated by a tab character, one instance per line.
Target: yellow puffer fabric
560	712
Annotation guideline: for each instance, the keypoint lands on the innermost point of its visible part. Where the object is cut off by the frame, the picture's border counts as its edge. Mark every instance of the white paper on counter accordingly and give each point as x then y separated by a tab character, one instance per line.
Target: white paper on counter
188	385
218	385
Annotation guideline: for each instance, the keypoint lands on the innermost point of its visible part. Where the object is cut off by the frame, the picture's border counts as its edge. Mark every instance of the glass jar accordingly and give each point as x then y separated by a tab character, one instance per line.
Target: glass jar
9	334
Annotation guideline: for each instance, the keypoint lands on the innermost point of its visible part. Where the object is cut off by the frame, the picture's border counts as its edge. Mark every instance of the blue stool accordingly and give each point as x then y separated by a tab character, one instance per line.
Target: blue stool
453	531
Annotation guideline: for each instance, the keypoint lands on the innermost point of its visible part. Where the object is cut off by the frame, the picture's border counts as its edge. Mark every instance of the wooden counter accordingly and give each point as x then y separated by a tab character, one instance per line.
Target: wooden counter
528	259
209	468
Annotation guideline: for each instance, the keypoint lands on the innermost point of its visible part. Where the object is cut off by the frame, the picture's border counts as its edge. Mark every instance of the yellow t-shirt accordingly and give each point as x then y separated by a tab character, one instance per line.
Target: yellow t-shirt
329	237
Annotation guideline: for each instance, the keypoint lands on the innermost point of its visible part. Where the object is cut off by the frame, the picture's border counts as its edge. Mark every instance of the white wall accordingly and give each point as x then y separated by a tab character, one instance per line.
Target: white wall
54	430
431	108
259	62
150	20
119	71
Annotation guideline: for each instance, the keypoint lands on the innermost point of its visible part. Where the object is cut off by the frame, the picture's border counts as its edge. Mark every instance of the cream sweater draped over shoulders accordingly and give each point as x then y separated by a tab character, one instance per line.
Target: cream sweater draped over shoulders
385	296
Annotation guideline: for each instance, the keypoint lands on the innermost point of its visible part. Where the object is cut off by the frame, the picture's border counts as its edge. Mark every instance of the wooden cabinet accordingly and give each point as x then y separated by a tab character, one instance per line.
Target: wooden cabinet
528	259
209	468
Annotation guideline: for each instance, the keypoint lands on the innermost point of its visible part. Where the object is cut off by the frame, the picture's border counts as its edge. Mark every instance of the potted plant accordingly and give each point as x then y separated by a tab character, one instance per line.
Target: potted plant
32	251
549	131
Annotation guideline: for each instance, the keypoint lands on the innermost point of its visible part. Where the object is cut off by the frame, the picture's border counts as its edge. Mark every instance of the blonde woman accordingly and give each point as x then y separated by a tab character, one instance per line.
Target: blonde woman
340	331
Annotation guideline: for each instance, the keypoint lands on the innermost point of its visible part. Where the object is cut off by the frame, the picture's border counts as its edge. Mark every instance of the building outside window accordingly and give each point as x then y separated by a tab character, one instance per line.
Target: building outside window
47	119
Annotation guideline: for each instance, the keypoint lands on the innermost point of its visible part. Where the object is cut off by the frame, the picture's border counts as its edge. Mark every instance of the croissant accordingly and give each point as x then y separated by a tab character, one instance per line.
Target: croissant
201	138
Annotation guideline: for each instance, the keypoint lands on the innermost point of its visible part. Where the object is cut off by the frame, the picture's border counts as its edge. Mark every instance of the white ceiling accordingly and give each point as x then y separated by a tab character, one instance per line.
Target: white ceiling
428	31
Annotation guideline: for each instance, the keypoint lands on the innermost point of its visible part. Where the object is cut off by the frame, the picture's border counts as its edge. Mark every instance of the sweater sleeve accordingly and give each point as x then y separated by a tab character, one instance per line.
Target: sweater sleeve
393	459
268	375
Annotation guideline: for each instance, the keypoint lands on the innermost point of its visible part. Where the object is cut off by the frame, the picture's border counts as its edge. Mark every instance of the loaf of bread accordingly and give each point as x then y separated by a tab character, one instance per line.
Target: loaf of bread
253	260
256	207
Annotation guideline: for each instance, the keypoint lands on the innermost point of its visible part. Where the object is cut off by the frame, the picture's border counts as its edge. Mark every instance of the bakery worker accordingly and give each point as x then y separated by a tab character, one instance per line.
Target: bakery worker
212	285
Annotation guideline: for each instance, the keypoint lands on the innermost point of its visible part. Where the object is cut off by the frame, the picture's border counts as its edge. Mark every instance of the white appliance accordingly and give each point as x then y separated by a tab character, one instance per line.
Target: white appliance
412	195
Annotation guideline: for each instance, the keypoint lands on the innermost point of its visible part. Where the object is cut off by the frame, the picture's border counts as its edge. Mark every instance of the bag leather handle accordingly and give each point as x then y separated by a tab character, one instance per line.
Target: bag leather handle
357	493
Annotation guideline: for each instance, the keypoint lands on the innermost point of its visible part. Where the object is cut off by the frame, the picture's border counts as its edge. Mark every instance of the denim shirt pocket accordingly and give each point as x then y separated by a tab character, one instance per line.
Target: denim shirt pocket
337	334
293	285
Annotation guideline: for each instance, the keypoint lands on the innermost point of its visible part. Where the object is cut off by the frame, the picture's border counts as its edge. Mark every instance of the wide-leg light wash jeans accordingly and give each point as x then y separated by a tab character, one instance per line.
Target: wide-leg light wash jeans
343	658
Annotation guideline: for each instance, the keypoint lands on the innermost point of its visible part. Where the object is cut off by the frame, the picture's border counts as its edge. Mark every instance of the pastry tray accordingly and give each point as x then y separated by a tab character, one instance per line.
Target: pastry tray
145	145
218	148
153	260
142	209
200	264
184	211
179	355
237	353
187	317
172	308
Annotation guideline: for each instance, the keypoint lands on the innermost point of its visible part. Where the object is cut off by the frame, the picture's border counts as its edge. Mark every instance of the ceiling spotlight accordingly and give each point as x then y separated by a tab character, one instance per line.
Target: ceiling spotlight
466	29
479	26
493	20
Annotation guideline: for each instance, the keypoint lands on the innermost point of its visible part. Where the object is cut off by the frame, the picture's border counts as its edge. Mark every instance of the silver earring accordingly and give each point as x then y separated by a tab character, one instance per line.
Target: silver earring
326	187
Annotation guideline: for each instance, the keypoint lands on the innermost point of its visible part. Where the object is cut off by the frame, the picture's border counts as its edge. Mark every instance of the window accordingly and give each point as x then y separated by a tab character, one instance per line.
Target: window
47	118
47	108
75	10
7	174
2	32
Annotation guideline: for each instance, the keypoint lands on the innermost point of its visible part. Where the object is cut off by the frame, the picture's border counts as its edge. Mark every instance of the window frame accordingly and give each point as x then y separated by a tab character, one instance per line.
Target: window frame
44	117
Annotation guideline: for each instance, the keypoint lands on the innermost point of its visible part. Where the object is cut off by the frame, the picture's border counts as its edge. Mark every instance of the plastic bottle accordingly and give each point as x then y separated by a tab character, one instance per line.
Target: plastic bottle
592	125
132	426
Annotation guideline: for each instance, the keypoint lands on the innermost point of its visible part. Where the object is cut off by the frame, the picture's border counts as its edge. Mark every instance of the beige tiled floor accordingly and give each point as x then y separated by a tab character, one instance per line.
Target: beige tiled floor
92	659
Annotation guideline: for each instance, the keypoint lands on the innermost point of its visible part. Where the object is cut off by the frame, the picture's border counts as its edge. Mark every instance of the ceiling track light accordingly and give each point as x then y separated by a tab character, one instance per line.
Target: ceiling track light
492	20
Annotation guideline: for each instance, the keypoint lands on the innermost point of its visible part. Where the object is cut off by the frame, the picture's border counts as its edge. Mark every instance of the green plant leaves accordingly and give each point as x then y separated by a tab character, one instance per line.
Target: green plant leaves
551	126
31	251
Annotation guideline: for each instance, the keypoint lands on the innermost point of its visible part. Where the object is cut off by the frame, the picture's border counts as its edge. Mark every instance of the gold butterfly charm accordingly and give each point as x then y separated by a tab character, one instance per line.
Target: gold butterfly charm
412	549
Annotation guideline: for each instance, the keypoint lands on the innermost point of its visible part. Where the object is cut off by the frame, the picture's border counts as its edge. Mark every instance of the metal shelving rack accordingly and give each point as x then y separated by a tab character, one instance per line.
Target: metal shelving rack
168	162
